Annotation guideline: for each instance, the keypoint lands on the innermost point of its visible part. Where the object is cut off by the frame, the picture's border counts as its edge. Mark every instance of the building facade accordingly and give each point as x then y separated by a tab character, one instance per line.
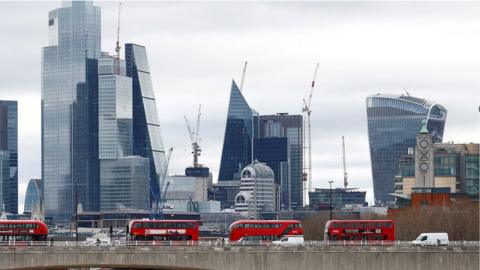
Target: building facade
278	141
33	199
147	138
341	197
450	166
225	192
70	167
237	143
393	123
8	156
257	190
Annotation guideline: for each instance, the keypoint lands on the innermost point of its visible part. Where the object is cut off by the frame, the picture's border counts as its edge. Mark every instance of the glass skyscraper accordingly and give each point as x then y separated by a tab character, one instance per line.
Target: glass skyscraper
237	143
393	123
147	139
8	156
288	172
33	199
70	166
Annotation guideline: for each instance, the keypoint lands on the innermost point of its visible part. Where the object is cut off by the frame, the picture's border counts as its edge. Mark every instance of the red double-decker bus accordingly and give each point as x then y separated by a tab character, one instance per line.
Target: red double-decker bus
164	230
270	230
23	230
360	230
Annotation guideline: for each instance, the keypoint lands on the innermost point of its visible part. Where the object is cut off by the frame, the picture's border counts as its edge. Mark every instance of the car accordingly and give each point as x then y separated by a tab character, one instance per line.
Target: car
291	240
431	239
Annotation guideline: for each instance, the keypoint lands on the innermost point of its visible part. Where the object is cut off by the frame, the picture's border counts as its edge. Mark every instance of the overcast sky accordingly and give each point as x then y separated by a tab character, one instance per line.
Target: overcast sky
196	48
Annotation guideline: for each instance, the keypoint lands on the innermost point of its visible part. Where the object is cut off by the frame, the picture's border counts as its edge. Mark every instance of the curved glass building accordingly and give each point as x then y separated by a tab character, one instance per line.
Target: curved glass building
32	196
393	123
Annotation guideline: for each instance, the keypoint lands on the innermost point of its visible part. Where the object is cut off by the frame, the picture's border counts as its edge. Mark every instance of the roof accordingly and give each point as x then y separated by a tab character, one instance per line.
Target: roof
419	101
424	129
261	170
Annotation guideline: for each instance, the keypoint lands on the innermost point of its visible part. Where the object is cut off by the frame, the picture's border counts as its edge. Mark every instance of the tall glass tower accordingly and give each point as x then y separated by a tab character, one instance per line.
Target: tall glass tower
8	156
33	200
393	123
147	138
288	172
70	167
237	143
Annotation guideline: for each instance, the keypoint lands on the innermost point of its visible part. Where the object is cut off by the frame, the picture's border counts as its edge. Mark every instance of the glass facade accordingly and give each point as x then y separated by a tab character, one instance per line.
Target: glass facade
320	198
289	127
393	123
147	139
237	143
9	156
472	174
125	183
32	196
70	165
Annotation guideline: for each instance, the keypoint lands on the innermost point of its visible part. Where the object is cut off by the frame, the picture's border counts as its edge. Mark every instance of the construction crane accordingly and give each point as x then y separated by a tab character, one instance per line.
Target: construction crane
195	137
243	75
117	46
160	199
308	110
345	175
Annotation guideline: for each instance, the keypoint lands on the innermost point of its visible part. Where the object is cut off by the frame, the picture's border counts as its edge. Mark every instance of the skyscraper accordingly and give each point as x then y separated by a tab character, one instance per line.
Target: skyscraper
124	178
70	167
393	123
147	138
288	172
33	199
237	143
8	156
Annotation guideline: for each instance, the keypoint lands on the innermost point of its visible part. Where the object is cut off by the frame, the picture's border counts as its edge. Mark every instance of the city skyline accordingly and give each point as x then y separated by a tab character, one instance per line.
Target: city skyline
180	69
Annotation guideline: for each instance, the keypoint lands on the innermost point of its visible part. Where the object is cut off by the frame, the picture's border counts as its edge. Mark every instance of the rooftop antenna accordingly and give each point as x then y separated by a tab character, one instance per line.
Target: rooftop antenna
345	175
243	75
117	47
405	90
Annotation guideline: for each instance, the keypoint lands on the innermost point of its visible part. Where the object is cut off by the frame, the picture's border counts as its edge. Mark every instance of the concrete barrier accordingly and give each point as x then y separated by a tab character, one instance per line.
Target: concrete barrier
236	258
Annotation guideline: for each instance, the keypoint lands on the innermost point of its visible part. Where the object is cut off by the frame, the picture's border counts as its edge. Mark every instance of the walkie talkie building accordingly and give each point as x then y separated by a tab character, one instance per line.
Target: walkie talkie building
393	123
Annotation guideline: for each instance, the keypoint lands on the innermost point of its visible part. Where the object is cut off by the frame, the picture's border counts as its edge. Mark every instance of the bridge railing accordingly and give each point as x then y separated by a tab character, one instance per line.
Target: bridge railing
218	243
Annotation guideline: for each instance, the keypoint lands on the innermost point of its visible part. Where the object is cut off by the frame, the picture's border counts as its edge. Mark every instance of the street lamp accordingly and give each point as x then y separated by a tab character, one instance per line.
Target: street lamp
331	208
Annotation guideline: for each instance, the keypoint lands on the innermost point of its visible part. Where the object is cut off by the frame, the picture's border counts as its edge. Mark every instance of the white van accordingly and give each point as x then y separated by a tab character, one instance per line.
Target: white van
290	240
431	239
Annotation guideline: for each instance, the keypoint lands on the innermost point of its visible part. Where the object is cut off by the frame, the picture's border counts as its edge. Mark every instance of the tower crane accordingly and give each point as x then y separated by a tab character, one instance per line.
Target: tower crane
345	175
307	176
195	138
117	47
243	75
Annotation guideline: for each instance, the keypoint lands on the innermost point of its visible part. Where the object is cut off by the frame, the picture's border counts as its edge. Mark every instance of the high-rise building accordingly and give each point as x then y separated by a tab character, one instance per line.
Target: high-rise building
288	173
393	123
124	178
33	199
256	190
341	197
8	156
147	138
70	167
237	143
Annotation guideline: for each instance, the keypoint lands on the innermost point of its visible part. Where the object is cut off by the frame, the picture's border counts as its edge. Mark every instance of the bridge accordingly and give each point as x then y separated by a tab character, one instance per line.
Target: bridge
238	257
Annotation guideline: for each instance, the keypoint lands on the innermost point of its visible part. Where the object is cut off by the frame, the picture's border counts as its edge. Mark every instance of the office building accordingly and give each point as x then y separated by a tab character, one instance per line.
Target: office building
393	123
341	198
147	139
70	167
278	142
8	156
237	143
33	199
184	190
225	192
125	183
257	190
439	165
